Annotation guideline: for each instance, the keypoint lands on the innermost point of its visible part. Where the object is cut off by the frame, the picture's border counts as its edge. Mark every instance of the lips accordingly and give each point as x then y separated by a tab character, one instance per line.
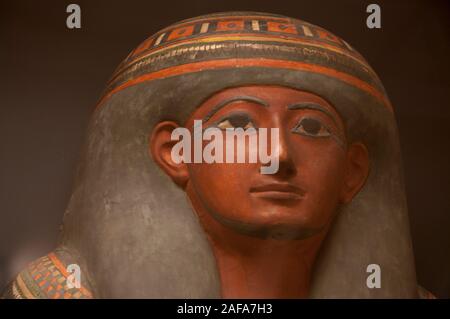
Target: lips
277	191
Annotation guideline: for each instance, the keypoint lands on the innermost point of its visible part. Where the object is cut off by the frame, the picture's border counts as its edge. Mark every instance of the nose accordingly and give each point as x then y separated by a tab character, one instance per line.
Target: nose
286	164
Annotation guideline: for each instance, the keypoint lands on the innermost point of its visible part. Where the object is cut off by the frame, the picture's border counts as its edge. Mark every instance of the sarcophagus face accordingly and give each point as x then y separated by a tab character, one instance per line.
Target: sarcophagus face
240	155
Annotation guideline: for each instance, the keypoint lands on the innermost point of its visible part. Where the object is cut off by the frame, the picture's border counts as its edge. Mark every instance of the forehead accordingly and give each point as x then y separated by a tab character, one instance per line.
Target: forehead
273	96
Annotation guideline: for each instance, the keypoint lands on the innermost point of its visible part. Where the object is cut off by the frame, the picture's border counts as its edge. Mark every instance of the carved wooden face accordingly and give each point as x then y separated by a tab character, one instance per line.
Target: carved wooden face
317	170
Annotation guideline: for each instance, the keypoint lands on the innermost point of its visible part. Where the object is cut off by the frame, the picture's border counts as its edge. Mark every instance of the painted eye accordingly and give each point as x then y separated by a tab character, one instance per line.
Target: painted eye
236	121
311	127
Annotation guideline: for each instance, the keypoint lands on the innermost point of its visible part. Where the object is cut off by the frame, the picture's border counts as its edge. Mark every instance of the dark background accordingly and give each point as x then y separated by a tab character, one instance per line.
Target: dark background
51	78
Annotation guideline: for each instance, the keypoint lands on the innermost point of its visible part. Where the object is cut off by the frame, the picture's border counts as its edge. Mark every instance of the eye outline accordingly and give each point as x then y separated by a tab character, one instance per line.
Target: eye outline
295	129
229	116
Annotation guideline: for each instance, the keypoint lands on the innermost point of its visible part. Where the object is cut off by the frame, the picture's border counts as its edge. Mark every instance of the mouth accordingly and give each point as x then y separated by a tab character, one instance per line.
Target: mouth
277	191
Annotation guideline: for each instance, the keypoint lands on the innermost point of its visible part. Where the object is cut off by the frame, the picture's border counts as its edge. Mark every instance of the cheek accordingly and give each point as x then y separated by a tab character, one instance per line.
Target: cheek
323	174
221	187
328	170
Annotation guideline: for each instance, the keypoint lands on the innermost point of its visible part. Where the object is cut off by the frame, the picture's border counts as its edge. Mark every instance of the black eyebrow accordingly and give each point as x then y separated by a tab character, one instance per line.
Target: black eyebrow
234	99
312	106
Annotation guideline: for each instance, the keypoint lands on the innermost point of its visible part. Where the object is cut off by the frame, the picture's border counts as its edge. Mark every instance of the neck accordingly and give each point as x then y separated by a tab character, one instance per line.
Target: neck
252	267
270	269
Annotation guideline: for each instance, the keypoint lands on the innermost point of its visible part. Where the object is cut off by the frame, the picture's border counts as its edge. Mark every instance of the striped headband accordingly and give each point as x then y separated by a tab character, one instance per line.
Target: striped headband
239	40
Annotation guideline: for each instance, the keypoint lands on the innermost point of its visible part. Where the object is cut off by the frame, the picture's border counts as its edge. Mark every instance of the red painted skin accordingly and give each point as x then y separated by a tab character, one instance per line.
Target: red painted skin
278	221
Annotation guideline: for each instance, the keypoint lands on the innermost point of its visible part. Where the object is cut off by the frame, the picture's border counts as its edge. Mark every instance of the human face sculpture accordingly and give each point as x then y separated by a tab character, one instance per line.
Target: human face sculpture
319	169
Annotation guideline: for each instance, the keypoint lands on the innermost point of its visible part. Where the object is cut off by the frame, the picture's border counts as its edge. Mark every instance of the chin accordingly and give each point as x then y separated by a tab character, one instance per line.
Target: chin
282	224
272	214
287	232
